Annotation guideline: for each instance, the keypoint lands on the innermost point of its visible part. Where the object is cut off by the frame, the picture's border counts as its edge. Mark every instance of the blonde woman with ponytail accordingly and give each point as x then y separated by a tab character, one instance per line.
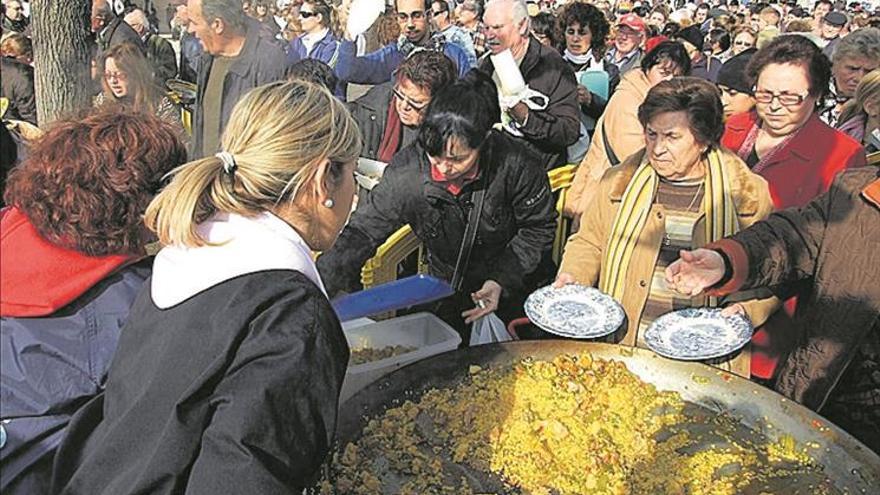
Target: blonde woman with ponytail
227	374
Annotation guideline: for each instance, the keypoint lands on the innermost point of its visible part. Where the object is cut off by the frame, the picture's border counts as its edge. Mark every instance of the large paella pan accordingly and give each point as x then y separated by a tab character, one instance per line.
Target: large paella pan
419	430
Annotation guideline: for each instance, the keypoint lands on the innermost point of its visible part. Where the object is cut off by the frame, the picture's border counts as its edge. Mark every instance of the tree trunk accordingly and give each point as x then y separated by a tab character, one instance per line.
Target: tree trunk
62	57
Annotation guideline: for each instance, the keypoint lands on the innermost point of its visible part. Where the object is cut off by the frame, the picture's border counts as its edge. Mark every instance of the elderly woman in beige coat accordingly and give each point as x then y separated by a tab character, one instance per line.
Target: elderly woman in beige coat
618	132
681	191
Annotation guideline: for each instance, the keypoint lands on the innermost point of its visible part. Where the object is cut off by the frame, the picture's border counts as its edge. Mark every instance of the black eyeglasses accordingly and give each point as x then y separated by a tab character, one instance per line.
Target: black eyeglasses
414	16
306	15
785	99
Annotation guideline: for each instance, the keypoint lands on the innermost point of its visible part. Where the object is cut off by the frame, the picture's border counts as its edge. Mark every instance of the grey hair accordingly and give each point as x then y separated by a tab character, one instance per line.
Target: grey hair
474	6
228	11
519	11
861	43
138	15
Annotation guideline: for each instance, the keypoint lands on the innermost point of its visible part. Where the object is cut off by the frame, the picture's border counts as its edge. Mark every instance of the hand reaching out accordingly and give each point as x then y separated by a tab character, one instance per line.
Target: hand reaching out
695	271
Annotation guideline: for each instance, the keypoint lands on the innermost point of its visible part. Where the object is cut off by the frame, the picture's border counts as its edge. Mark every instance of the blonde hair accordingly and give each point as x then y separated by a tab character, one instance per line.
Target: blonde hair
279	134
867	91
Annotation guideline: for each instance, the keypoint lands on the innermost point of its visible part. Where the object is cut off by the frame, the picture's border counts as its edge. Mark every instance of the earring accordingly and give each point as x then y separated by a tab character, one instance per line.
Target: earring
328	203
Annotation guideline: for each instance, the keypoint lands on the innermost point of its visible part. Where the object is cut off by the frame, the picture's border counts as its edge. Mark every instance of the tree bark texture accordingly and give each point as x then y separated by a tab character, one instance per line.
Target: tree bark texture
62	57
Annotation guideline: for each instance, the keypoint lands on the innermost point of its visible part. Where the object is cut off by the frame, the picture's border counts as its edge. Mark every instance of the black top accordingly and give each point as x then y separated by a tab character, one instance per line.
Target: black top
516	228
752	159
232	391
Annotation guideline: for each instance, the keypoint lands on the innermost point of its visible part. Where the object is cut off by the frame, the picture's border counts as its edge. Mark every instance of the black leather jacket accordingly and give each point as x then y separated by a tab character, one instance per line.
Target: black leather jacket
516	226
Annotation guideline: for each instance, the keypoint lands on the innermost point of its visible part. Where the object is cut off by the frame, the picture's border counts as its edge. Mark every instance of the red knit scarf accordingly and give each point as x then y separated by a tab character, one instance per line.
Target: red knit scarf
392	136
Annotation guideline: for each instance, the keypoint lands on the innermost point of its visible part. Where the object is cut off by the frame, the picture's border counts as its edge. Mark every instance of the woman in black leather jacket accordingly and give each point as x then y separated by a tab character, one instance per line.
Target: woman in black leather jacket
433	185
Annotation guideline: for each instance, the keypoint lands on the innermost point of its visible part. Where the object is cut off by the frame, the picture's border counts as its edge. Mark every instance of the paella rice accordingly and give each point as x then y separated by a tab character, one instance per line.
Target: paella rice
574	425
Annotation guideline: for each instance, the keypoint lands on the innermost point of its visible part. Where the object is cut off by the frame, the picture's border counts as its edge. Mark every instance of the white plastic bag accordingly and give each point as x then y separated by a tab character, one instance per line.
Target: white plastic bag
488	330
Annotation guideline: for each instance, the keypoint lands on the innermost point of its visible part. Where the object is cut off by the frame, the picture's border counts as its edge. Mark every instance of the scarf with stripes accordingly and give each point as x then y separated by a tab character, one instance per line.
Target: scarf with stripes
635	205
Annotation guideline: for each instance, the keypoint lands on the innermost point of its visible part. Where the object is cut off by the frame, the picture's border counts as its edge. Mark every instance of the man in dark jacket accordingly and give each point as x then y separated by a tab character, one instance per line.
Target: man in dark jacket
830	244
550	131
236	59
389	114
159	50
14	20
17	85
109	29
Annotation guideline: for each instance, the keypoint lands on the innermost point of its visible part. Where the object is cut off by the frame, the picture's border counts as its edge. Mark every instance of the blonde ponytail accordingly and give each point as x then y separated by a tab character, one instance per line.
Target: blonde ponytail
278	135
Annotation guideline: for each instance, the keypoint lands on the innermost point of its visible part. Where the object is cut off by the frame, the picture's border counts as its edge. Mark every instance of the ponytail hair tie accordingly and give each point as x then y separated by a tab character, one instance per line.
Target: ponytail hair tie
229	165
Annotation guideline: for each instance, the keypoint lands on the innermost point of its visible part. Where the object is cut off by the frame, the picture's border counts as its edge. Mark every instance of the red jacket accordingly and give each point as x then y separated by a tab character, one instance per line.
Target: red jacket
803	169
806	166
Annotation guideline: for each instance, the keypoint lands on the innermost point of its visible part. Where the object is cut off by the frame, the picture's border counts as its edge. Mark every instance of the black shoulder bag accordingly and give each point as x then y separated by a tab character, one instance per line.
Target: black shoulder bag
609	153
467	243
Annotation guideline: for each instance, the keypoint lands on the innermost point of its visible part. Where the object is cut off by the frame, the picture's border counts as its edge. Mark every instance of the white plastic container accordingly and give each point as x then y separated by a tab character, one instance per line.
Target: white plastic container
425	332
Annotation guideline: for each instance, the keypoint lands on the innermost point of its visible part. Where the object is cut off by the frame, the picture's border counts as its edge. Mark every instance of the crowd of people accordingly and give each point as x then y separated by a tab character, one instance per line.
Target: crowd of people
164	309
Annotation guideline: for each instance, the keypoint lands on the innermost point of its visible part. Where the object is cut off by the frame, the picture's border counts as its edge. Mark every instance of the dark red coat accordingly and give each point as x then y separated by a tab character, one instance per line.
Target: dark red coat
802	170
806	166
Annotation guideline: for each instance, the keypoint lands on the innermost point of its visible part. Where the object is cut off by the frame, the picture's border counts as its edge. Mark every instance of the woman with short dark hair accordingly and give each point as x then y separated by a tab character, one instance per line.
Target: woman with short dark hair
618	132
784	141
73	243
682	190
460	170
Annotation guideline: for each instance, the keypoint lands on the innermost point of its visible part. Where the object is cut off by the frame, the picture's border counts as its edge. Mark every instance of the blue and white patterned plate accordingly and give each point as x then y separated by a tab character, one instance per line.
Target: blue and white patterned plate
696	334
574	311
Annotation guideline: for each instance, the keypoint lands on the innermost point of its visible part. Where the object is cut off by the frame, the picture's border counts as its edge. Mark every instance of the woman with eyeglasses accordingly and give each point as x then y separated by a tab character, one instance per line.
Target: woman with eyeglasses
584	31
460	170
389	115
318	40
784	141
127	79
744	38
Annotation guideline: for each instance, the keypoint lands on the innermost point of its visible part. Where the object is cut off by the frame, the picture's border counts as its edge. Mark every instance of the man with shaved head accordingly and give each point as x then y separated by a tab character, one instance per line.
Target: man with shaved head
547	131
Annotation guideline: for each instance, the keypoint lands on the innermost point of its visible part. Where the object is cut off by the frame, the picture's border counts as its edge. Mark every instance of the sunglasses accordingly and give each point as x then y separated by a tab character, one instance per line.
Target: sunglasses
742	43
306	15
417	106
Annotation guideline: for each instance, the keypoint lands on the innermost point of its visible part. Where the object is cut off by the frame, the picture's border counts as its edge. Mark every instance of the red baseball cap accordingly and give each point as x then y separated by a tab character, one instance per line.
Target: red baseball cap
633	21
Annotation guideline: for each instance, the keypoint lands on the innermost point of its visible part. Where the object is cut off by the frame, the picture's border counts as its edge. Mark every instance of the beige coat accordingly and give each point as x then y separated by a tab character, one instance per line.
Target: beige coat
624	133
585	249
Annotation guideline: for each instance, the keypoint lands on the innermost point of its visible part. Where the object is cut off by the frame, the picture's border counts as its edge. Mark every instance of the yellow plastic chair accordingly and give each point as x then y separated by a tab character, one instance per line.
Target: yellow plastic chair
382	268
560	180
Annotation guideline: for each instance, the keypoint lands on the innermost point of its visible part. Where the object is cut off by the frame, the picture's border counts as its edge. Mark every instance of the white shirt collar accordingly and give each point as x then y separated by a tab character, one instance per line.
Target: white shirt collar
239	246
309	40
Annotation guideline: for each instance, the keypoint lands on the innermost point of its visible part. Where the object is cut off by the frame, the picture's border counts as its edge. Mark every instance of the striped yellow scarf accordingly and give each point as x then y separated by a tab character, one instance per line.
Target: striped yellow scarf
635	206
